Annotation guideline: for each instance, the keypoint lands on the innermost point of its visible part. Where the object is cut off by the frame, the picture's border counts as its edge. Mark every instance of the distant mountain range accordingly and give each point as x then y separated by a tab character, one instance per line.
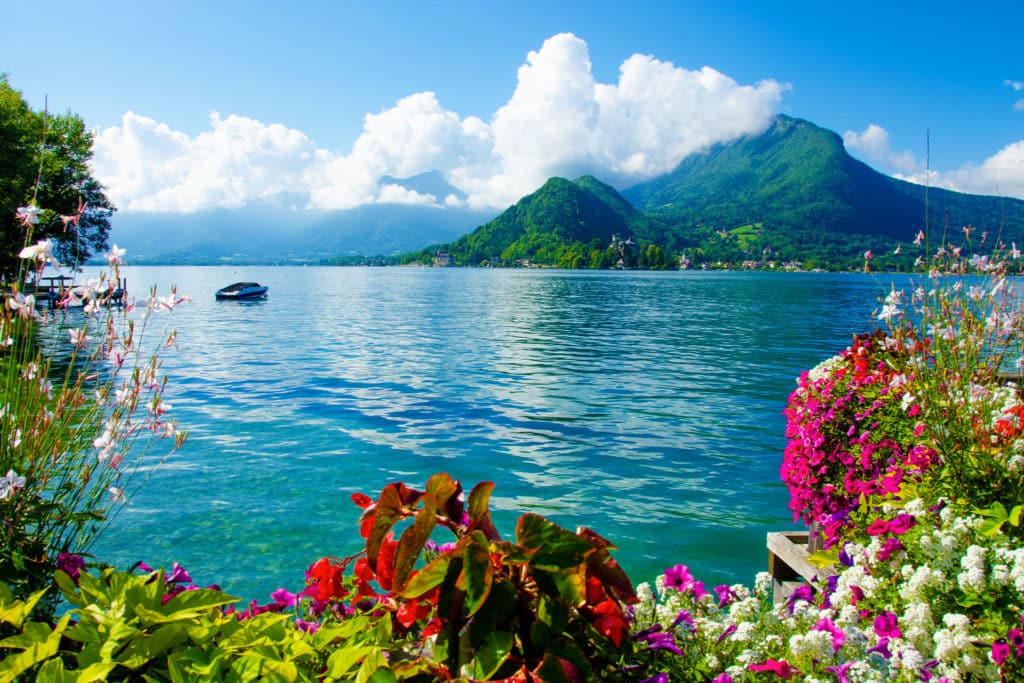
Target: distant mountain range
791	193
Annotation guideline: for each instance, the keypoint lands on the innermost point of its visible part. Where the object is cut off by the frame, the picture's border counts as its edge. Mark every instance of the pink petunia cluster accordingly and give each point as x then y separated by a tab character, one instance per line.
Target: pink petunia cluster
852	431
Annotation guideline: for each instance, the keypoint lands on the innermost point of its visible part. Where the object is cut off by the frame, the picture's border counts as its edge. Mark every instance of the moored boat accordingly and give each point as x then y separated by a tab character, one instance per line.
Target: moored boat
242	290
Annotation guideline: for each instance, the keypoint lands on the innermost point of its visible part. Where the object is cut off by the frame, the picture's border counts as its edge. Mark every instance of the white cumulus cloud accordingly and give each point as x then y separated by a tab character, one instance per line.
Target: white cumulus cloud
1000	174
558	121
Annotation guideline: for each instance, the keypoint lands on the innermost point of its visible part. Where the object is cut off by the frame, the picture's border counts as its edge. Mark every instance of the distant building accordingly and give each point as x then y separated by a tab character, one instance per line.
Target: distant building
443	259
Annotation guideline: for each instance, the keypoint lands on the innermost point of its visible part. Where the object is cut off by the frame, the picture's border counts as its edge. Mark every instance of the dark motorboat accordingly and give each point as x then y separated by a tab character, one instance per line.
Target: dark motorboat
242	290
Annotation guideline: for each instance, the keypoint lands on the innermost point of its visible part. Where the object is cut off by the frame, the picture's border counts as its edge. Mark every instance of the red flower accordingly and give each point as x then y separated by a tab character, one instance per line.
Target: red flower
609	622
326	581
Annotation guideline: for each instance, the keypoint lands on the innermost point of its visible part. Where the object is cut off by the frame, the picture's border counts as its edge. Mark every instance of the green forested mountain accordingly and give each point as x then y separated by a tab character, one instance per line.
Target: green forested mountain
564	223
791	193
811	197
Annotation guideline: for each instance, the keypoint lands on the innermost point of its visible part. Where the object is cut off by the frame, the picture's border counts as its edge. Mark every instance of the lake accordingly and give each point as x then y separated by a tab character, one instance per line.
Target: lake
646	406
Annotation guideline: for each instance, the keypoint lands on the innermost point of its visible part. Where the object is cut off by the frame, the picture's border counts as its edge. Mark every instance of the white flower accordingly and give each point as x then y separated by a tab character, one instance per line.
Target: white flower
116	255
10	483
28	215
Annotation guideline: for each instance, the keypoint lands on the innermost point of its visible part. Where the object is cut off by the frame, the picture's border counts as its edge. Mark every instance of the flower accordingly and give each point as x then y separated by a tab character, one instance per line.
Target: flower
28	215
71	565
779	667
41	251
10	483
885	626
115	256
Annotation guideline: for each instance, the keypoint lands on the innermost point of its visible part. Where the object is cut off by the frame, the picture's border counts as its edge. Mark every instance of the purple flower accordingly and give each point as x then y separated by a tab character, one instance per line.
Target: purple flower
725	595
885	626
722	678
902	523
840	671
802	592
178	575
684	617
882	648
727	632
844	557
71	565
662	641
657	678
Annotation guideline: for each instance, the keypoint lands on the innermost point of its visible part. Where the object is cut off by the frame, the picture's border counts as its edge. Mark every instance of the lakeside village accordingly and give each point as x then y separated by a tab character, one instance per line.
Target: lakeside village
627	256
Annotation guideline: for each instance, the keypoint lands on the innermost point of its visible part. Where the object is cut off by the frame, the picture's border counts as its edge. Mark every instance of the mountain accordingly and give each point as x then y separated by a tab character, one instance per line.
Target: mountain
562	223
430	183
798	177
274	235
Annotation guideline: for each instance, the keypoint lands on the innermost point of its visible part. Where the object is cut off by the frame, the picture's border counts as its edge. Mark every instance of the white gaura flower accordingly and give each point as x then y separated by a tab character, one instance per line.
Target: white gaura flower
116	256
24	306
40	252
28	215
10	483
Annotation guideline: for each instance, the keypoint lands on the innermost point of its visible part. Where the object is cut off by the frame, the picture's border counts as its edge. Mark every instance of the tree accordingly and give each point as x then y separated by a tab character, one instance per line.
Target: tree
44	160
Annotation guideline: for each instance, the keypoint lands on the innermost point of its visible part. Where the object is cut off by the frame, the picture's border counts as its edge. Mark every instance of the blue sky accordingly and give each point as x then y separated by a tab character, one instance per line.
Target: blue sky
221	104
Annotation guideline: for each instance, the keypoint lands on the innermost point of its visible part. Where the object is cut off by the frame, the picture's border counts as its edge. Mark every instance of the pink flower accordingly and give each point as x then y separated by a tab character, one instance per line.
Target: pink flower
902	524
878	527
779	667
838	635
885	626
1000	651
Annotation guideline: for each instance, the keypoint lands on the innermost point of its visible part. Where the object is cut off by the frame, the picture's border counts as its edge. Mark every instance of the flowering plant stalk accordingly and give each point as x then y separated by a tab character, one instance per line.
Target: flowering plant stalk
80	402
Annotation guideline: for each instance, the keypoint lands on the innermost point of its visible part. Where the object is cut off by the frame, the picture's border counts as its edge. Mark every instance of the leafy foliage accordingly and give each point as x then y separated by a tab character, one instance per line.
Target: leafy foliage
44	161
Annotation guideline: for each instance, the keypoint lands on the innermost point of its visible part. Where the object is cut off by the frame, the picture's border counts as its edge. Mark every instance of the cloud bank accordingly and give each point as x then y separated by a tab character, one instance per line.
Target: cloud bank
1000	174
558	121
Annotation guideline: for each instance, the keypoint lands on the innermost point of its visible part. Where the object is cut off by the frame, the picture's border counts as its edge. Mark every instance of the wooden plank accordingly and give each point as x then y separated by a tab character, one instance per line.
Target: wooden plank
790	549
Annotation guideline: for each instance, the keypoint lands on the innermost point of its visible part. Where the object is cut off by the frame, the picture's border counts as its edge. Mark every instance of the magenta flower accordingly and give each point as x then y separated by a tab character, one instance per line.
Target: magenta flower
1000	651
678	577
722	678
882	648
838	635
178	575
885	626
684	617
779	667
891	546
902	524
1016	638
878	527
725	595
283	597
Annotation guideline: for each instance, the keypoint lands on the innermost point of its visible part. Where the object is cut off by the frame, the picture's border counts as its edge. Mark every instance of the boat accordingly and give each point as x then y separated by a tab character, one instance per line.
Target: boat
242	290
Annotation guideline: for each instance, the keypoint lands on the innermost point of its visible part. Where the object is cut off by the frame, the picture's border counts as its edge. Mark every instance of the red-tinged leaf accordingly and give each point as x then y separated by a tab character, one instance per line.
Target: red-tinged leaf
556	548
413	539
406	614
431	576
443	487
477	575
389	511
362	500
612	576
479	512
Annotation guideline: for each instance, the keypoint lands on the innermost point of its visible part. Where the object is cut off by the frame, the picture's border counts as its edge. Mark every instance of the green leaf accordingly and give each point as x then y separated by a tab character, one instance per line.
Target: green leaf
1015	514
190	604
37	644
557	548
346	658
477	573
990	527
572	585
372	663
491	655
824	558
15	612
414	538
149	646
52	671
430	576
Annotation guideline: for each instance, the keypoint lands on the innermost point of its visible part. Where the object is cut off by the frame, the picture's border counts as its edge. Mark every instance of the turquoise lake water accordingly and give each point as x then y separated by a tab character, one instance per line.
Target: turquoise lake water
647	406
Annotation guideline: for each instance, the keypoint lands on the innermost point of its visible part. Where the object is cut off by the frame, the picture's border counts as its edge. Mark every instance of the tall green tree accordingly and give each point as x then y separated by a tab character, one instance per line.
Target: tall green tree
44	161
